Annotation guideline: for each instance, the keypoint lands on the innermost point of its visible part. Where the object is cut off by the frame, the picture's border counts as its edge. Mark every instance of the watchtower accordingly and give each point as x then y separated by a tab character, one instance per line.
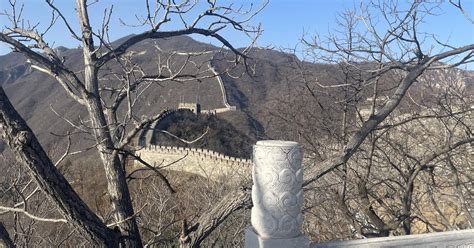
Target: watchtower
194	107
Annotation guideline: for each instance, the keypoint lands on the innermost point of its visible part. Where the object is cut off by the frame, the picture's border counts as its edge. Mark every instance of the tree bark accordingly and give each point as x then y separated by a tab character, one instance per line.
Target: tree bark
116	181
210	220
29	152
117	187
5	239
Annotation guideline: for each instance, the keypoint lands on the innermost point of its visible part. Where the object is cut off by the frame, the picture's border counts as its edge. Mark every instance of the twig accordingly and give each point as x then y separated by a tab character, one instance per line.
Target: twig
20	210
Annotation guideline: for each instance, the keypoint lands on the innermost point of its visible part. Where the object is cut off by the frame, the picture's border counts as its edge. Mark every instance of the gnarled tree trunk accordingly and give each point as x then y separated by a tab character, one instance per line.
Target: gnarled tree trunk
29	153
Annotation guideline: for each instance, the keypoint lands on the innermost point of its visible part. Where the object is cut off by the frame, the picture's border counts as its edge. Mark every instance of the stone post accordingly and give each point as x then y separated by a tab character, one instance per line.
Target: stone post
277	196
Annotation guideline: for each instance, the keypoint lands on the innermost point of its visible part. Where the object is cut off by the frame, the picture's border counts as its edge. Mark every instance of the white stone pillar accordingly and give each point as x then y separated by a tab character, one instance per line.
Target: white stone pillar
277	196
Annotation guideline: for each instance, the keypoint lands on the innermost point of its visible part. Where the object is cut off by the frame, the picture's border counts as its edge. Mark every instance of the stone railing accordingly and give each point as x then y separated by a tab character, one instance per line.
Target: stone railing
458	239
206	163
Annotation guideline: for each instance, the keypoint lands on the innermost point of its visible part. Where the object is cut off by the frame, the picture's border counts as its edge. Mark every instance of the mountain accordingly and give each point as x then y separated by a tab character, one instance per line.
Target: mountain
47	108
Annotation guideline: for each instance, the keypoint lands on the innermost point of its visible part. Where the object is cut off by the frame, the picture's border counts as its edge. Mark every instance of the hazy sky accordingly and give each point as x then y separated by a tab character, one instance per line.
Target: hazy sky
283	21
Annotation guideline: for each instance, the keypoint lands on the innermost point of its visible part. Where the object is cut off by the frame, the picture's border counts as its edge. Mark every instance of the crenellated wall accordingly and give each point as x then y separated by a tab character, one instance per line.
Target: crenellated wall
206	163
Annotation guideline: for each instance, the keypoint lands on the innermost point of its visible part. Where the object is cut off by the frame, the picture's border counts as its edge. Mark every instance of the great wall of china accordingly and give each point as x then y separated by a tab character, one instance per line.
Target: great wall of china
146	136
227	107
203	162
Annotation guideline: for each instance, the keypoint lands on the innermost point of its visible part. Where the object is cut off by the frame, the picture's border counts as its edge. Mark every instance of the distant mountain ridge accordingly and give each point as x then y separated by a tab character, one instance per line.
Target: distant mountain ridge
36	94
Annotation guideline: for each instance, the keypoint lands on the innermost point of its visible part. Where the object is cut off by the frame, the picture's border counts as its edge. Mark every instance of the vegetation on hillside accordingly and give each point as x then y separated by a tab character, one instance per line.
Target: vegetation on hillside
221	135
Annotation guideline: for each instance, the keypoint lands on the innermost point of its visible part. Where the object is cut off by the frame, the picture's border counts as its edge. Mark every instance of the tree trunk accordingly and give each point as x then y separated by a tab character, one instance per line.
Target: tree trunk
29	152
117	187
5	240
116	183
406	209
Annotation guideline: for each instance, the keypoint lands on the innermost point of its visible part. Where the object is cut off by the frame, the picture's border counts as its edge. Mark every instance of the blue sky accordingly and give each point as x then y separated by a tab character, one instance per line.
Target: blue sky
284	21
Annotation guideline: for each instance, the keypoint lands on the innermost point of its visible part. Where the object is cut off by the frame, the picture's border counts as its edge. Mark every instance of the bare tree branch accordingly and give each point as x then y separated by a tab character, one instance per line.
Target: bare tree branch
374	120
21	210
63	75
193	236
122	48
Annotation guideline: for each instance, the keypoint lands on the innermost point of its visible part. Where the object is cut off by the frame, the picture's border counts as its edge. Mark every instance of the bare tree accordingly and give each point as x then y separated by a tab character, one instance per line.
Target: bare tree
383	124
398	50
113	122
382	57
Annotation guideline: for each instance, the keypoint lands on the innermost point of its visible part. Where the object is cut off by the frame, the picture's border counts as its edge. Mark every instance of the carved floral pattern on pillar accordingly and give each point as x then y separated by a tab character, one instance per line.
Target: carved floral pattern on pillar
277	194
